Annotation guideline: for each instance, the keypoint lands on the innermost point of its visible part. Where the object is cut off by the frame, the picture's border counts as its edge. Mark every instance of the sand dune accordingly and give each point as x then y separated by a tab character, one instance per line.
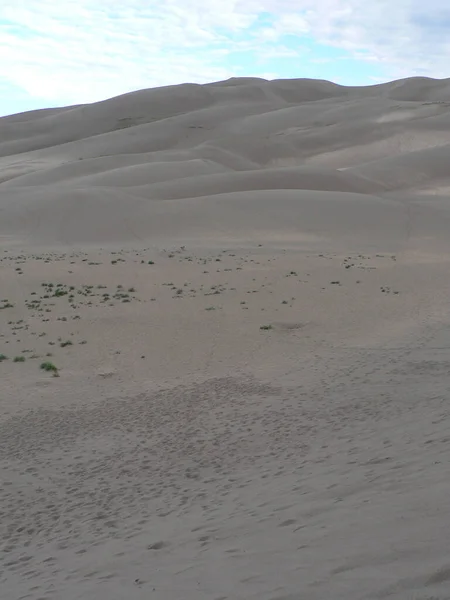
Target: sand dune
268	179
122	171
233	136
256	123
224	334
205	177
79	217
422	168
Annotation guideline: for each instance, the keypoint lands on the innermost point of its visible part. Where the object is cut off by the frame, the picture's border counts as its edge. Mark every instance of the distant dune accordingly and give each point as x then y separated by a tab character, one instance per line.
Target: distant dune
228	137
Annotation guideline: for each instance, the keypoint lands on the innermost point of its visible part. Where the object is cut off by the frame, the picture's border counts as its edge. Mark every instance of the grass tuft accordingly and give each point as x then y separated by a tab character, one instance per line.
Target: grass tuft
49	367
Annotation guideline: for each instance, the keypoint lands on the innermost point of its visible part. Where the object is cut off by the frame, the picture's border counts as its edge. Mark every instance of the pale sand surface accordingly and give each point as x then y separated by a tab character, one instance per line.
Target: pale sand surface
245	288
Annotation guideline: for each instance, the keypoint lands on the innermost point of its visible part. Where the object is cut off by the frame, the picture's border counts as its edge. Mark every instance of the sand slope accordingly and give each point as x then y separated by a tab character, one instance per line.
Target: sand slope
240	295
228	137
265	122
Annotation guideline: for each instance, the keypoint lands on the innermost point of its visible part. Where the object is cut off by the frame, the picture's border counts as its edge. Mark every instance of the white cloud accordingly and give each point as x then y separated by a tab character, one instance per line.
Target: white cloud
89	49
278	52
408	36
67	51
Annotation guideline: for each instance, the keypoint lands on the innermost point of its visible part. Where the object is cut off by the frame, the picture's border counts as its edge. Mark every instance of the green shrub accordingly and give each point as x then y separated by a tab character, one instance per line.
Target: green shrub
49	366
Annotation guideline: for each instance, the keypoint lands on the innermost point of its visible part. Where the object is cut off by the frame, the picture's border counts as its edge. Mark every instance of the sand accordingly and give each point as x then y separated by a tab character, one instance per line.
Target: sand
243	291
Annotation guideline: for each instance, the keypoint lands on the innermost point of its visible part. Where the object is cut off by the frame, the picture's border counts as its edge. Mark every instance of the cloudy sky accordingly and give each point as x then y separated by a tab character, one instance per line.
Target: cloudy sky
60	52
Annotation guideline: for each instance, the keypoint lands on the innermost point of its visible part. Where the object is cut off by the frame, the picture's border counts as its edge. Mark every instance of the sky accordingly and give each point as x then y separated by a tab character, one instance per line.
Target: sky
64	52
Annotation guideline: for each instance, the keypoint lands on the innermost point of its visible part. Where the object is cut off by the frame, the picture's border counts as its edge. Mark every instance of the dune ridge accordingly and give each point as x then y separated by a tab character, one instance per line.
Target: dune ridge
232	136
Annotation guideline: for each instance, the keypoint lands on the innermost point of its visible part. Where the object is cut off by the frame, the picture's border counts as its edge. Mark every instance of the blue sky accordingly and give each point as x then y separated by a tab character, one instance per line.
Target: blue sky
60	52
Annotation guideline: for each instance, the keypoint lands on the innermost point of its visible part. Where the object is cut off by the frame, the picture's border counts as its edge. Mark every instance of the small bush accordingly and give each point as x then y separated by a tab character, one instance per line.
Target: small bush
19	359
60	292
49	367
